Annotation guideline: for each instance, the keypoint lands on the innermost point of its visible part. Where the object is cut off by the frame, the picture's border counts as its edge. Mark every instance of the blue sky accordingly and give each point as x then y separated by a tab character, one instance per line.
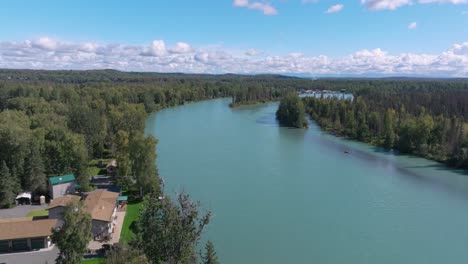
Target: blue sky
277	28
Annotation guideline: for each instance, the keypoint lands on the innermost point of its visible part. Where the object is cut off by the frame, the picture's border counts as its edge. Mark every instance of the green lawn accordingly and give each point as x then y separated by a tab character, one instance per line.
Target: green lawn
97	167
38	213
93	261
131	215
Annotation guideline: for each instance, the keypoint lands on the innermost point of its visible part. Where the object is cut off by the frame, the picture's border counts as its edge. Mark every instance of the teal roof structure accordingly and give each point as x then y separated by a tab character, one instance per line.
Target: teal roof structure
61	179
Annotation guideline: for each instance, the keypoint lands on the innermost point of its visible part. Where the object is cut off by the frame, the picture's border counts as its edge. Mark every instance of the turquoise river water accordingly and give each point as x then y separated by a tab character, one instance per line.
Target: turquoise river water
281	195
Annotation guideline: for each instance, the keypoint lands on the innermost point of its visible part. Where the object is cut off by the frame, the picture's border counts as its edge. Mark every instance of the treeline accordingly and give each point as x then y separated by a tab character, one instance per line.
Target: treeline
428	122
353	85
56	122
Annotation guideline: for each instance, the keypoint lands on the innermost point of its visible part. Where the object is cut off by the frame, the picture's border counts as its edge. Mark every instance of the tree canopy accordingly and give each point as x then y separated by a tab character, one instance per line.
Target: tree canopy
169	232
73	236
291	111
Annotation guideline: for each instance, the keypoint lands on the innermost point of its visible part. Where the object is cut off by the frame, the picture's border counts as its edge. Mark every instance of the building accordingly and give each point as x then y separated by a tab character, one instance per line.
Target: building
25	234
111	168
61	185
57	206
23	198
100	204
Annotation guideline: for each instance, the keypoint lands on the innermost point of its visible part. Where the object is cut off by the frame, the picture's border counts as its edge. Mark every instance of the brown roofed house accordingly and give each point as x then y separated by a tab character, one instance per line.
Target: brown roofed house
102	206
24	234
57	206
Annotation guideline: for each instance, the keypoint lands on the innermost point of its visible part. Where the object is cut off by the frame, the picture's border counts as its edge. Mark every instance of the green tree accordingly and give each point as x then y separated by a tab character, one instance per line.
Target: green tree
291	112
121	143
210	256
389	128
142	155
73	236
35	179
7	191
169	232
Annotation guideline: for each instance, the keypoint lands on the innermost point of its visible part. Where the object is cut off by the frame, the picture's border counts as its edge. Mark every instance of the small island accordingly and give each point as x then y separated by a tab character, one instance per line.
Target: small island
291	112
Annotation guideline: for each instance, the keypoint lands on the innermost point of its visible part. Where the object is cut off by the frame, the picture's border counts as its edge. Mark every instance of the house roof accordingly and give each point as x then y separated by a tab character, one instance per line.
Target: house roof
25	227
100	204
112	163
61	179
62	201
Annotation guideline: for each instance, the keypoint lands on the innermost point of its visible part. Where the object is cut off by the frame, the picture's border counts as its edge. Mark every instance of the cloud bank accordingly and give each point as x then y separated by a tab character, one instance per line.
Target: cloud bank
394	4
49	53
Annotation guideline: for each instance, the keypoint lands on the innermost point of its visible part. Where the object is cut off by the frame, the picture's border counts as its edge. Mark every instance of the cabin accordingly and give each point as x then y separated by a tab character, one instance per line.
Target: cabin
25	234
61	185
111	168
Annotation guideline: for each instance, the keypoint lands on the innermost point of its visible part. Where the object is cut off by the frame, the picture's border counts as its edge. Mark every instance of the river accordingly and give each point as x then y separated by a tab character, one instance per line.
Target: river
281	195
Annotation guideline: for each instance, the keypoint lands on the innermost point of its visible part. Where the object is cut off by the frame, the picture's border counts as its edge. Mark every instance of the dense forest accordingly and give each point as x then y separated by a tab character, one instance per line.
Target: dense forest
429	121
57	122
291	112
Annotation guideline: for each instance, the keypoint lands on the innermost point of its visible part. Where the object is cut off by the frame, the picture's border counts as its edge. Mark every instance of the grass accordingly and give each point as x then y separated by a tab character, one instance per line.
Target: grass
133	209
38	213
97	166
93	261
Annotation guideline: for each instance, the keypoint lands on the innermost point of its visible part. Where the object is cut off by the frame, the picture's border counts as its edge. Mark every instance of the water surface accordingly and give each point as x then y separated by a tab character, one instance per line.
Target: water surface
281	195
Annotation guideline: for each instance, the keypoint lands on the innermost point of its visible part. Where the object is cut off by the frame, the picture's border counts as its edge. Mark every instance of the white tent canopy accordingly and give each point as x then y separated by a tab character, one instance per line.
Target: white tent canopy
26	195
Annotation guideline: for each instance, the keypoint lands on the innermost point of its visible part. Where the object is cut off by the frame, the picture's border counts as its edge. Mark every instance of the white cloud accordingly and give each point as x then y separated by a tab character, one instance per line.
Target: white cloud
334	9
157	48
253	52
413	25
54	54
45	43
264	7
385	4
455	2
394	4
181	47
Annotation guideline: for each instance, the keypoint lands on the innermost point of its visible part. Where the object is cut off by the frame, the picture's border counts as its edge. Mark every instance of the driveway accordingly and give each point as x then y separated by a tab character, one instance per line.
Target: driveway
20	210
95	245
34	257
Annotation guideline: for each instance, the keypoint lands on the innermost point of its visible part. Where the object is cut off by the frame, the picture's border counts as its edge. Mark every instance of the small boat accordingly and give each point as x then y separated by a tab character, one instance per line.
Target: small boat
347	152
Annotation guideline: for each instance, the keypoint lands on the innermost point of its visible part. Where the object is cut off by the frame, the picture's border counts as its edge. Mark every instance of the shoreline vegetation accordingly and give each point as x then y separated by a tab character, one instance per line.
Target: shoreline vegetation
291	112
429	123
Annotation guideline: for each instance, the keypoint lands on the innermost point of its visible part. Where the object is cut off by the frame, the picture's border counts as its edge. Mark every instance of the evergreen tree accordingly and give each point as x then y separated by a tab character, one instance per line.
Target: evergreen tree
389	121
7	191
291	112
35	179
210	256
